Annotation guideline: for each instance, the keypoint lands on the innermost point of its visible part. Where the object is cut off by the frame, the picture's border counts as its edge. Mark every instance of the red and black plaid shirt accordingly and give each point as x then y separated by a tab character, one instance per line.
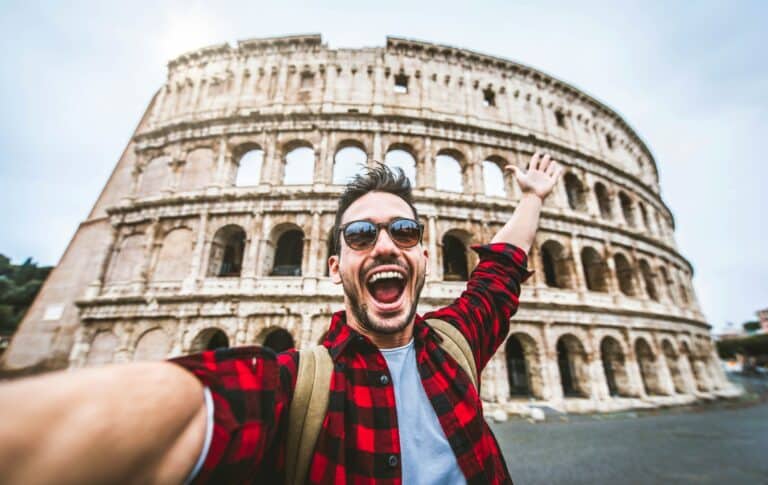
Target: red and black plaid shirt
252	389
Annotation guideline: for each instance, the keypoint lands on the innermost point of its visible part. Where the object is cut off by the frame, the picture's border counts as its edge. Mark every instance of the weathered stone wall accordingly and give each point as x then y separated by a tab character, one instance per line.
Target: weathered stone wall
181	252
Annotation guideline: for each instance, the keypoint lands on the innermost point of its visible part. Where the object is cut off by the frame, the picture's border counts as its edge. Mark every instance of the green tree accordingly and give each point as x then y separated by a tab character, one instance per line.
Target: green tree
19	284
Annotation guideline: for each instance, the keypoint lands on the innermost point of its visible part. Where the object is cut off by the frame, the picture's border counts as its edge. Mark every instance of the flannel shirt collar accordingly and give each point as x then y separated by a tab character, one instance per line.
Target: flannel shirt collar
341	336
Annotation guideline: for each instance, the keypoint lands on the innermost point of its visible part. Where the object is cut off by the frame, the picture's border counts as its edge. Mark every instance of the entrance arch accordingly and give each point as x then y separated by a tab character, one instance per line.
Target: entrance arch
649	369
279	340
615	368
572	363
523	366
209	339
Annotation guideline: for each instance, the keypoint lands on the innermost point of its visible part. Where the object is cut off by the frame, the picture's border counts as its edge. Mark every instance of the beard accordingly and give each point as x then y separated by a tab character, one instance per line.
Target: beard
370	323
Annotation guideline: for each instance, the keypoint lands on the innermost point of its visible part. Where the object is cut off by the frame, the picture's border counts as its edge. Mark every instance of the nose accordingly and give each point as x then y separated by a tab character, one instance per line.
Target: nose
384	246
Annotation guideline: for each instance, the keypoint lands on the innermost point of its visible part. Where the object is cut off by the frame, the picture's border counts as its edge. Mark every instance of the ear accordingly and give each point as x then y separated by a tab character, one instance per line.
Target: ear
333	269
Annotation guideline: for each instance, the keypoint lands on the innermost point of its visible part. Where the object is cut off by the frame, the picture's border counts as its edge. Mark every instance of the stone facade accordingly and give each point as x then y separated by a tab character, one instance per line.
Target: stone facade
214	227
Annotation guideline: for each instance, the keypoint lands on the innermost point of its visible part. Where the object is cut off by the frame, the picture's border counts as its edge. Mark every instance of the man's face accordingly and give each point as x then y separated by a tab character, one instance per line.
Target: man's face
379	305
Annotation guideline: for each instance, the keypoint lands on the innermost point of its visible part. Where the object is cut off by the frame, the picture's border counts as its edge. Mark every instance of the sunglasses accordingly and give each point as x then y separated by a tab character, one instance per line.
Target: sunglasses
360	235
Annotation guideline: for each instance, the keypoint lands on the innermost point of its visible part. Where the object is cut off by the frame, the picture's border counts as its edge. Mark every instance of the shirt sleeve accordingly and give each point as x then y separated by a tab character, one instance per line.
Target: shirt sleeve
483	310
250	390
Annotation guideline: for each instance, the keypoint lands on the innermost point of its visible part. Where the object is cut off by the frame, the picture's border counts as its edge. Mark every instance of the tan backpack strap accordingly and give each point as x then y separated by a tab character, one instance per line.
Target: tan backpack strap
307	412
457	347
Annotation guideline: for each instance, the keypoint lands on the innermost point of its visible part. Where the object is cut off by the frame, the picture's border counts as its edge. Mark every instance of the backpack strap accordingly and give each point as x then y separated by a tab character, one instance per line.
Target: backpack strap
457	347
307	411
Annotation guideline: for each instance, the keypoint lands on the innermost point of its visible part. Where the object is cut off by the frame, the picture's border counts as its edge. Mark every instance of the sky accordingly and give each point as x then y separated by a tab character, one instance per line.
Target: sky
691	78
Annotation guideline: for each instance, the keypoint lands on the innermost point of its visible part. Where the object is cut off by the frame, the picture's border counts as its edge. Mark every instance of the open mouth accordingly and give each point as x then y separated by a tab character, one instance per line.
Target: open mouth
386	286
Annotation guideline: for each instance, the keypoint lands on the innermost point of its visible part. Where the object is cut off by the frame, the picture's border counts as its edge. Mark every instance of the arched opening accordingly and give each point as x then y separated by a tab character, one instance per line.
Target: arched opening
493	179
227	249
644	216
198	170
603	201
152	345
402	159
448	173
572	363
615	368
625	274
595	271
648	367
279	340
674	366
154	176
574	189
299	166
517	369
648	279
249	168
627	209
348	162
175	256
289	253
102	349
209	339
455	267
128	259
556	265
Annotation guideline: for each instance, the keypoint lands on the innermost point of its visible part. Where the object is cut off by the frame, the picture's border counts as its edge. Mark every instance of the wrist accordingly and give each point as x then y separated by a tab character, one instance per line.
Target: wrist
533	197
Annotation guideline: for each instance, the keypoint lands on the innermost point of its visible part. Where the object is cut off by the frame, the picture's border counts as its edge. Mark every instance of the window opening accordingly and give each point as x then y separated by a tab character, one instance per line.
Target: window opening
288	255
401	83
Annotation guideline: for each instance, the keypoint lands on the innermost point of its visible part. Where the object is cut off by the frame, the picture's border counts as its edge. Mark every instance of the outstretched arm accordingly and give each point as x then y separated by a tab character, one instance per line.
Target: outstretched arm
138	423
536	184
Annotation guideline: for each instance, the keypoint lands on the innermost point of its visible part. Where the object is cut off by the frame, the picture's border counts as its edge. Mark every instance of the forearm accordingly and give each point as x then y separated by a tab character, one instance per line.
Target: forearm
520	229
131	423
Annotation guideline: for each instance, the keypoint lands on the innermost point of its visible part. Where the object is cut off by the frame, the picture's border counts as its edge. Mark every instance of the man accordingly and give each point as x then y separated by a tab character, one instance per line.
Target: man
400	408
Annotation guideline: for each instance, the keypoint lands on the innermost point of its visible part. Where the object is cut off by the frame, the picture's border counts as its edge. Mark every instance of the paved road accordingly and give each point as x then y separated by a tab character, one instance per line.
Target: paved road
714	444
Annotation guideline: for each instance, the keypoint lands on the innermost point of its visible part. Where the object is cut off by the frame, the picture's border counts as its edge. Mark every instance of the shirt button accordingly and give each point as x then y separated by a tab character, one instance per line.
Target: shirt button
392	461
384	381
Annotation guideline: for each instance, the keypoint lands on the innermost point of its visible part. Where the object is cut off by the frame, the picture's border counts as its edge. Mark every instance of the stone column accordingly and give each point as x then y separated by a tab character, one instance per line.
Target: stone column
251	255
314	246
378	149
200	255
264	244
600	391
581	283
150	254
552	389
324	160
107	259
272	164
634	376
434	269
425	166
612	277
662	368
221	177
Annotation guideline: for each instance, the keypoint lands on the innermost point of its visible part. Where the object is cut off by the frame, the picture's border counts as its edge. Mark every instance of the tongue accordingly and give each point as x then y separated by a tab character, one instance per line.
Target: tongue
386	291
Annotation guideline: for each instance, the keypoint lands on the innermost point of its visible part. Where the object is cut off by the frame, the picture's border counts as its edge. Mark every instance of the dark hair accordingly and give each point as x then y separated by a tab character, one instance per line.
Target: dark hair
379	178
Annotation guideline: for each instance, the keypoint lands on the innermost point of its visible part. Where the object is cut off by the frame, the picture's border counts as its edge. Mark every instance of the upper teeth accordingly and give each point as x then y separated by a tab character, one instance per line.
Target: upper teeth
385	274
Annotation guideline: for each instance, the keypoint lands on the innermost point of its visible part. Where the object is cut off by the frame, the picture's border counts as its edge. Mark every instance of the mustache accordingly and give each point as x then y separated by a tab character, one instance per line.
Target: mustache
384	262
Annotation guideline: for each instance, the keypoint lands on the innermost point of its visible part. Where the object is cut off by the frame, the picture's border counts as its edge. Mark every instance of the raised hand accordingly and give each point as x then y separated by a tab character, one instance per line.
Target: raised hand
541	176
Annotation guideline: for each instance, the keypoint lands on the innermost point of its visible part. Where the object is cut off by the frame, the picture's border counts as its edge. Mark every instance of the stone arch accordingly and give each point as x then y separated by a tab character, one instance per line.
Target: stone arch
627	209
153	344
556	265
603	201
199	169
523	366
649	368
595	270
277	339
227	250
615	368
298	163
454	255
250	165
573	366
648	280
129	259
495	182
673	364
575	191
102	349
625	274
349	160
288	243
210	338
154	176
174	258
401	156
449	171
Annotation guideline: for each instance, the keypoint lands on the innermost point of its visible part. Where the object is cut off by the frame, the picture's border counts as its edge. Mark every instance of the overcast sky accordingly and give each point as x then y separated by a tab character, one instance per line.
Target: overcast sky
691	78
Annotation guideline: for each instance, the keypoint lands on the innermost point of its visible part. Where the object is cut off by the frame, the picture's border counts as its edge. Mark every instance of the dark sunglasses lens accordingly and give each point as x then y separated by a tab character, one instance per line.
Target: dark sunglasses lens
360	234
405	232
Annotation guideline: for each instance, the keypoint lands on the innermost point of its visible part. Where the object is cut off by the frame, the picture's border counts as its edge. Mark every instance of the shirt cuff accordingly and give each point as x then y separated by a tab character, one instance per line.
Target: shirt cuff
506	254
208	436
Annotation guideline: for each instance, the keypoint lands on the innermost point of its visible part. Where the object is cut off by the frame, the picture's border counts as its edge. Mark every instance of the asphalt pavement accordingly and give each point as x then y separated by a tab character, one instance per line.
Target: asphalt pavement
722	442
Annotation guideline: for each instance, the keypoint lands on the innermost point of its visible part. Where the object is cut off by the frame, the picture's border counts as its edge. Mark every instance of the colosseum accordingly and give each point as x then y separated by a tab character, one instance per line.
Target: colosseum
213	229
